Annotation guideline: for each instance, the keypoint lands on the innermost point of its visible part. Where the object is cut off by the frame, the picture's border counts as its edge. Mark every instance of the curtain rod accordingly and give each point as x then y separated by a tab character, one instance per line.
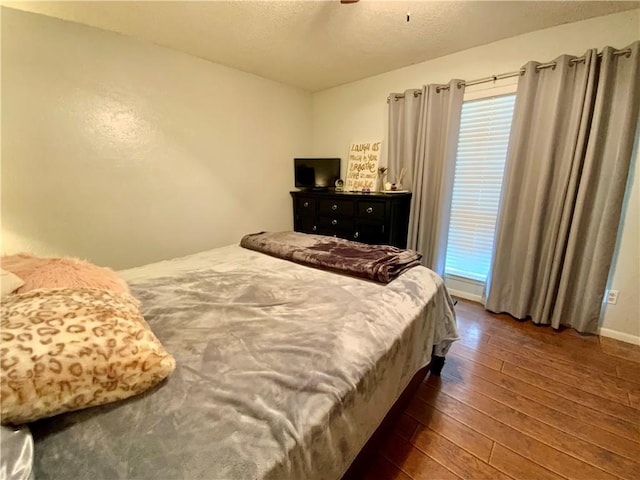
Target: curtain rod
502	76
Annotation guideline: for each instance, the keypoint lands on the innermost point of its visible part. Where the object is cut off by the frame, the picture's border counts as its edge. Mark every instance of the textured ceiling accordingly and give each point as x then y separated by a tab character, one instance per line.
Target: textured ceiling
316	45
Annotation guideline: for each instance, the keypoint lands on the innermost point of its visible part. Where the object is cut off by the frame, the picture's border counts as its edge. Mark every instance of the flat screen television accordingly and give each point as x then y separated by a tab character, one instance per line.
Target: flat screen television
316	173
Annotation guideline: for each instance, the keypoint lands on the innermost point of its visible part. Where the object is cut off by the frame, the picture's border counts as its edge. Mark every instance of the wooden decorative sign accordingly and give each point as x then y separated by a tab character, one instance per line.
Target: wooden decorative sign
362	168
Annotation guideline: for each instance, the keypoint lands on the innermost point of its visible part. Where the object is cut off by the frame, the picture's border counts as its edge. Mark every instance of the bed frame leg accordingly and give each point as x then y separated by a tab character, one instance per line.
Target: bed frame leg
436	365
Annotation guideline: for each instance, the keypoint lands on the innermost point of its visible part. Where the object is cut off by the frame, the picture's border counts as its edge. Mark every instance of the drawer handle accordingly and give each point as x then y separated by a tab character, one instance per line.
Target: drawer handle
305	204
334	207
356	235
314	228
334	222
370	210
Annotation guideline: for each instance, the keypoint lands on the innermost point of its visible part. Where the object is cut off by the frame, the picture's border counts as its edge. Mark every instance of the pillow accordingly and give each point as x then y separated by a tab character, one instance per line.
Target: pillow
62	272
21	264
72	348
9	282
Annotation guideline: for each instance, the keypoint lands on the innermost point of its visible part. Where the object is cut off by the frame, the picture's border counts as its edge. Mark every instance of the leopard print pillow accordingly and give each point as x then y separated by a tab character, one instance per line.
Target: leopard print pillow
71	348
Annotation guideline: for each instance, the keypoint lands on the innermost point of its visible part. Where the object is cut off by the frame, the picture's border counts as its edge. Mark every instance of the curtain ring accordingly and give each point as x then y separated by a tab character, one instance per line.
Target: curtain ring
416	93
459	85
395	98
437	89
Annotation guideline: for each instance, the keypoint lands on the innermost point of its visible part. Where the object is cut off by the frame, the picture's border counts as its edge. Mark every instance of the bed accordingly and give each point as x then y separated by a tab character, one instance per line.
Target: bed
283	372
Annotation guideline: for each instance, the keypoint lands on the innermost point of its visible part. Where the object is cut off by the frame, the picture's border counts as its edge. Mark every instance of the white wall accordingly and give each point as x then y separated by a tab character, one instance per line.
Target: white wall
622	320
358	111
124	152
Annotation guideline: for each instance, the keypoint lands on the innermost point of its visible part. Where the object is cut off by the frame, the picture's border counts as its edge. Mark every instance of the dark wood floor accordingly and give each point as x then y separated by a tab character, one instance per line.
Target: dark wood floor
523	402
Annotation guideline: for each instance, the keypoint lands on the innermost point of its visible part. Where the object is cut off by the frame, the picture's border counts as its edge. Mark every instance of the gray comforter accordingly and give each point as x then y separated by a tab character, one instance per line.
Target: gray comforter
283	372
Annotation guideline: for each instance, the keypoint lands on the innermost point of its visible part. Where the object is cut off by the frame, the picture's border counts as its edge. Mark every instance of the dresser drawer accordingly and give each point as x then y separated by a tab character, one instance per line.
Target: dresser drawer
306	206
373	210
371	232
334	224
335	207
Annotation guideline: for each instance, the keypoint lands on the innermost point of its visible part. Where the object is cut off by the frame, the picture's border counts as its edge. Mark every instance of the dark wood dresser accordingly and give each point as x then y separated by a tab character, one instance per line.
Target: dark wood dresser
376	218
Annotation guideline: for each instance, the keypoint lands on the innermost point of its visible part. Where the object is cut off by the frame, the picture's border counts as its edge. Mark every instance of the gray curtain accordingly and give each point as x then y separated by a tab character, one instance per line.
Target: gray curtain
567	165
423	136
404	114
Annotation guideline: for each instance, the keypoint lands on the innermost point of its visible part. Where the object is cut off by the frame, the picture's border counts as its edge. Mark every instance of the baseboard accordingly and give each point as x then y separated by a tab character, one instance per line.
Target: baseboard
465	295
623	337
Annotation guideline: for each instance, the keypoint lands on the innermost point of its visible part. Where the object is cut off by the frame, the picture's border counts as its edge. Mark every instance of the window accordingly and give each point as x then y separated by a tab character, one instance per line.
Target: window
482	150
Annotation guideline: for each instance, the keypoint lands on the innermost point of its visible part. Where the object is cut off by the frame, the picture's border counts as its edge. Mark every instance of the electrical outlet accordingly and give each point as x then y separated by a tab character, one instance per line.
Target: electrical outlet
612	297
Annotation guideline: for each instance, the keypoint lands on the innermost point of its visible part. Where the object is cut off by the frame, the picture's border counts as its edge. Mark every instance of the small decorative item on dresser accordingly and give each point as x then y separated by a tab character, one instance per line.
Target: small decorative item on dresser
399	179
339	185
382	173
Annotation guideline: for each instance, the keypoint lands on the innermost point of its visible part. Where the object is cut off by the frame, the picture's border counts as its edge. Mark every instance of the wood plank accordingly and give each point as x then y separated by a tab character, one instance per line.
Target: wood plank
579	396
542	366
451	429
462	368
565	338
627	351
554	437
595	360
592	357
523	444
519	467
461	462
413	462
553	418
587	378
383	469
543	338
473	341
634	400
628	370
405	427
477	356
470	334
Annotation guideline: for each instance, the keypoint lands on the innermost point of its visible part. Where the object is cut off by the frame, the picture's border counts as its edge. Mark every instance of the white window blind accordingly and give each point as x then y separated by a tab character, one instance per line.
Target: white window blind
482	149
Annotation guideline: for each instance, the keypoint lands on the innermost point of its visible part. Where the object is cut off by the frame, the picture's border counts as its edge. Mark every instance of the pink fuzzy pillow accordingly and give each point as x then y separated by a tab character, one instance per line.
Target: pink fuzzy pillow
39	272
22	264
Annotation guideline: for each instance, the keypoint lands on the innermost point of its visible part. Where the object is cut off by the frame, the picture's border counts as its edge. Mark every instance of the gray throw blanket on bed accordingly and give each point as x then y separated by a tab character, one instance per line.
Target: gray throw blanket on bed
380	263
